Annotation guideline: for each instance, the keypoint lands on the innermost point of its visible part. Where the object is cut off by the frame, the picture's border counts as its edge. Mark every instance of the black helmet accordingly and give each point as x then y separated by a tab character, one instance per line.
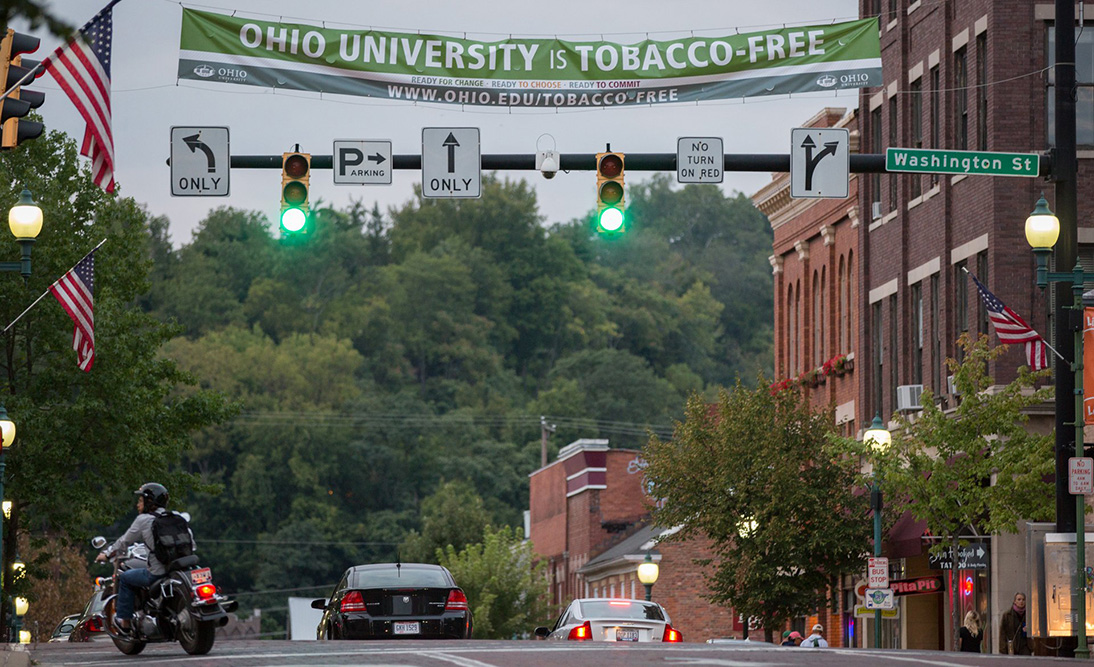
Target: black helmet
155	495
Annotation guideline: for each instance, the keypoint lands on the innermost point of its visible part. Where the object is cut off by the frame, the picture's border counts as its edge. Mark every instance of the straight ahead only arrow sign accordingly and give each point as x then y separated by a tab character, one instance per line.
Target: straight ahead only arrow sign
451	163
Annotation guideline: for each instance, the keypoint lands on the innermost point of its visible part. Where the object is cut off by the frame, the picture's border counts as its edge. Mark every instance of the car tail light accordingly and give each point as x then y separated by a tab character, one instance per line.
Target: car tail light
95	624
457	601
582	632
671	634
206	591
353	602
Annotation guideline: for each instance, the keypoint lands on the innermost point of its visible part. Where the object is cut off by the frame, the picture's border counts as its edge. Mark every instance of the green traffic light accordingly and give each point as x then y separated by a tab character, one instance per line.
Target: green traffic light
611	219
293	220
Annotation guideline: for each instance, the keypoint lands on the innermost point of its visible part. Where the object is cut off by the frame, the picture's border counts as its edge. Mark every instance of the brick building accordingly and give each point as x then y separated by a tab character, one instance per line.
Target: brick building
973	75
588	519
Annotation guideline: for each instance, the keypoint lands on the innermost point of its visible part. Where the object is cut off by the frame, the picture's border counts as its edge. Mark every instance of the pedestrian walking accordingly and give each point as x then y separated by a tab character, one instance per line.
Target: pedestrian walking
1012	629
971	634
815	638
791	637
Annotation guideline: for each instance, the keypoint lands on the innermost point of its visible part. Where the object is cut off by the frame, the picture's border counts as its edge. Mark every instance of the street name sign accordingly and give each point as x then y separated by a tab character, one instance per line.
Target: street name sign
879	598
451	164
1080	475
877	574
973	556
362	162
699	160
931	161
200	163
820	162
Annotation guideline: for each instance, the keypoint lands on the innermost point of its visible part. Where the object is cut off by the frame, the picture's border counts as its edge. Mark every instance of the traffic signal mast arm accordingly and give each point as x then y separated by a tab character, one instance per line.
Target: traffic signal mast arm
770	162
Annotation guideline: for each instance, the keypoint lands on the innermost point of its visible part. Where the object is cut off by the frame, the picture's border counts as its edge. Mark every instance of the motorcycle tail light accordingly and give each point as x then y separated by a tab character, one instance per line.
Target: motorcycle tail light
582	632
207	591
353	602
457	601
671	634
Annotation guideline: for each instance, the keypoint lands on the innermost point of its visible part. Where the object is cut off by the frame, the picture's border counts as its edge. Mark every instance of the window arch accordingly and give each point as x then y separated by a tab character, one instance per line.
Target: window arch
841	307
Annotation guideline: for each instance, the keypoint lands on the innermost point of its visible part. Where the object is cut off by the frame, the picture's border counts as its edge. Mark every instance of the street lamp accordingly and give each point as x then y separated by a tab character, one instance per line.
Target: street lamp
21	606
25	222
879	439
647	574
7	436
1042	232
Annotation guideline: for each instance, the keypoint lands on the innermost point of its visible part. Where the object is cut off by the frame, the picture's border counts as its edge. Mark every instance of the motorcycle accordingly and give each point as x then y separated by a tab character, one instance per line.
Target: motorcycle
183	605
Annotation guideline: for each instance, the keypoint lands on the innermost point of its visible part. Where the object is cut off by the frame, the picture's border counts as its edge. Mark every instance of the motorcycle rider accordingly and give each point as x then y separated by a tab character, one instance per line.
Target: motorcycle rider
151	502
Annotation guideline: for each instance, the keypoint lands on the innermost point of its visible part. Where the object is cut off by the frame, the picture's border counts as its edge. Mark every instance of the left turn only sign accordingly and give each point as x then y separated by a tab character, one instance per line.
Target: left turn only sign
199	162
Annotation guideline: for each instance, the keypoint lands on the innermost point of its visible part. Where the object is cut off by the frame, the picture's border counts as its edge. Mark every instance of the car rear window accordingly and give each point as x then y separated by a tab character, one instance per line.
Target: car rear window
404	578
621	609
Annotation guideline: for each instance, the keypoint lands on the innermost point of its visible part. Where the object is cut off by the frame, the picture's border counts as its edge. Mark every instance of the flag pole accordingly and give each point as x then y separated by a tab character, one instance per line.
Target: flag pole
48	288
966	270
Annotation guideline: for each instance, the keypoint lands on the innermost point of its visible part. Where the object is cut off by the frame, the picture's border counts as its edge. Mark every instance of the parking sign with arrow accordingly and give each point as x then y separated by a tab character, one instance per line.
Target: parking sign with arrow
362	162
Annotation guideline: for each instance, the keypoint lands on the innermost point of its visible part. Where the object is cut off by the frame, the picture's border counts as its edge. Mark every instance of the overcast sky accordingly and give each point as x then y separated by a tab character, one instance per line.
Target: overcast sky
148	99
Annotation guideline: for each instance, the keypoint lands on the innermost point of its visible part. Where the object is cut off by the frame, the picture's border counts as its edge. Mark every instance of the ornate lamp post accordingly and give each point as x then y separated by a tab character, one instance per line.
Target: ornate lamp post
21	606
647	574
879	439
25	222
1042	232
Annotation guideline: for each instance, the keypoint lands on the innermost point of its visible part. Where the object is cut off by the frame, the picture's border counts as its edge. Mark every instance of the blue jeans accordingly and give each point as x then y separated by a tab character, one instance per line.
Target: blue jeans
128	583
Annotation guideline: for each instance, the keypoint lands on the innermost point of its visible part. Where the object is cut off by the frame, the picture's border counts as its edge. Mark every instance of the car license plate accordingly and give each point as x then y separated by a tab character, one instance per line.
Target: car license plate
412	628
201	576
623	635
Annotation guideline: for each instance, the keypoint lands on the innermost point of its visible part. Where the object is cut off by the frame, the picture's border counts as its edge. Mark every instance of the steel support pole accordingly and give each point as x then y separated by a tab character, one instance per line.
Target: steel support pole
1082	651
876	496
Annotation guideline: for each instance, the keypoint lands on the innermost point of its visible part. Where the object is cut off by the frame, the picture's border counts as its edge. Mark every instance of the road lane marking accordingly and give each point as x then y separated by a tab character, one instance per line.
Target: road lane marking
456	660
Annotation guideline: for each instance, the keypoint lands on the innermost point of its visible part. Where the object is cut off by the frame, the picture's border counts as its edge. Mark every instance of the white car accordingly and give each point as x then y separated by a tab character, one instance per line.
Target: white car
612	620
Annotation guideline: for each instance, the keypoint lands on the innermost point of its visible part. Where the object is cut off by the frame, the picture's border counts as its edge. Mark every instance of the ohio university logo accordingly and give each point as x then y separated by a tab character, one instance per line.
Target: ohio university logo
826	81
204	71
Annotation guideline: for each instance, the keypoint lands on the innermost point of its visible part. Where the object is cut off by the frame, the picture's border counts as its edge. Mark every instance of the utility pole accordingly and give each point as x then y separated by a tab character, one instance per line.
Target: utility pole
545	430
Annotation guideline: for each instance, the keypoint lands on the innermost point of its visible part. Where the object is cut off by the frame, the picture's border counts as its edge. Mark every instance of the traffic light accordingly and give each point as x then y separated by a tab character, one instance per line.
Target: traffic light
19	103
609	193
295	171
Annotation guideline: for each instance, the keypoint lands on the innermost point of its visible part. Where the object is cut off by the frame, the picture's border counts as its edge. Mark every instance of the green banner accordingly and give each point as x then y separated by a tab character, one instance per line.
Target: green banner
527	72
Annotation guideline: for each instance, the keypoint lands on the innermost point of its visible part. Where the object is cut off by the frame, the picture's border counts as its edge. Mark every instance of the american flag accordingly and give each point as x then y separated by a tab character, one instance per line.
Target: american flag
75	290
1011	328
82	68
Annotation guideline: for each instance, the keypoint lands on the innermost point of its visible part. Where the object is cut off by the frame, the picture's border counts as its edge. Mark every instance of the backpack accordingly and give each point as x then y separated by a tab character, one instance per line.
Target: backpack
171	537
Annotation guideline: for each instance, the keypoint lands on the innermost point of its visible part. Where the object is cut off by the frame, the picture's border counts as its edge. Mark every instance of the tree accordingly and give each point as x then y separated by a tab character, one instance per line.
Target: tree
87	439
754	474
506	587
452	517
943	462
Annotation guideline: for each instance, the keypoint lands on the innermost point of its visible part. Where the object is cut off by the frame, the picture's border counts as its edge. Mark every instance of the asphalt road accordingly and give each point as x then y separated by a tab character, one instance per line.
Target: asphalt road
482	653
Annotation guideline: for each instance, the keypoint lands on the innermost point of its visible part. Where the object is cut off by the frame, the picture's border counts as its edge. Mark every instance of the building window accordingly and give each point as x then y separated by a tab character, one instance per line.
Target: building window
915	117
875	178
894	316
893	10
850	304
961	303
936	338
917	333
818	330
936	113
893	142
1084	80
792	334
982	91
878	380
961	99
841	314
981	308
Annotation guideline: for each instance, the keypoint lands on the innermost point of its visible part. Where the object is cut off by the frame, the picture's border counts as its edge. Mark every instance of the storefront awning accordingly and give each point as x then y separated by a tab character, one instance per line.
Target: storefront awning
905	537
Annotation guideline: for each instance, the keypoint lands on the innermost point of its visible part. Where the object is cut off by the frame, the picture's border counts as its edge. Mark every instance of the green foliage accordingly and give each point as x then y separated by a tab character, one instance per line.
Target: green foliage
86	439
453	517
506	588
943	462
754	474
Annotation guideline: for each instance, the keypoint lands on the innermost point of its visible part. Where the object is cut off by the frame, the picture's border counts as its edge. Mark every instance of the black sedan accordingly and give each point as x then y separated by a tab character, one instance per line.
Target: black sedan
395	601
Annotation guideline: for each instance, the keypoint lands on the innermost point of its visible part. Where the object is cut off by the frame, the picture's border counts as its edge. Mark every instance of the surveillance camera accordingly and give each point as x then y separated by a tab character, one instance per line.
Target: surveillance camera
547	163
